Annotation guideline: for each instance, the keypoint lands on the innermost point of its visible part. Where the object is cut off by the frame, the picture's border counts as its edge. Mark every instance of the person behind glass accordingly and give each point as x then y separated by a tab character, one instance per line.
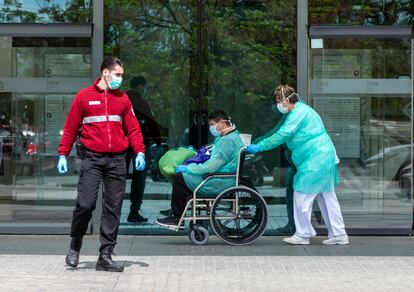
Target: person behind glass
315	159
289	228
151	133
224	158
105	117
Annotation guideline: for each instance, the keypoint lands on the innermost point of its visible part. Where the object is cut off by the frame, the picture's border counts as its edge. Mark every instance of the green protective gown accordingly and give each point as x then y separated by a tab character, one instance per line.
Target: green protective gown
224	158
313	152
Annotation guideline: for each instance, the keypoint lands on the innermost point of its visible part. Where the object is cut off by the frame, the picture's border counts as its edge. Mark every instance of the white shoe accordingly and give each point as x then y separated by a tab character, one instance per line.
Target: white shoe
340	239
296	240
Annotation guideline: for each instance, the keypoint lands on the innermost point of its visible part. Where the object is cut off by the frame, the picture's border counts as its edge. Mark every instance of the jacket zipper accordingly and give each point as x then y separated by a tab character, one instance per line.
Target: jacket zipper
107	122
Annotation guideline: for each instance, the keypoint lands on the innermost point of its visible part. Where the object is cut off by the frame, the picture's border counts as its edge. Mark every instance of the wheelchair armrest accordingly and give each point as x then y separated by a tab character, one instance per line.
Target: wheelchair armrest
220	174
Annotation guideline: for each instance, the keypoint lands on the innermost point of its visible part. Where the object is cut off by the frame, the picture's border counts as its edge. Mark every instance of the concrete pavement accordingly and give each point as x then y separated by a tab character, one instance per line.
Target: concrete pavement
171	263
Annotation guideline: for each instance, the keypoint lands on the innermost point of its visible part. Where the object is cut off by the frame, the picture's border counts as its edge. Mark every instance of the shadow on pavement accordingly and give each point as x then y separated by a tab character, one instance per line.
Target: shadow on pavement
90	265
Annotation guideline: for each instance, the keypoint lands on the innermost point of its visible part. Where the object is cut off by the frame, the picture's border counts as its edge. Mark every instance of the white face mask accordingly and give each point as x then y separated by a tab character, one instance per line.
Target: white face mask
282	109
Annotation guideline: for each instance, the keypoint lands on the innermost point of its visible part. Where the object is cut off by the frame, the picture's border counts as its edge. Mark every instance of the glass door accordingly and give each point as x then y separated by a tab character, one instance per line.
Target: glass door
38	81
250	48
362	88
197	56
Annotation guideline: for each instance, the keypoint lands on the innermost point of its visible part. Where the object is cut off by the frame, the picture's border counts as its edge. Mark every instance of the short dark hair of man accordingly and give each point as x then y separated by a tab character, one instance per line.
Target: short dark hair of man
137	80
218	115
110	63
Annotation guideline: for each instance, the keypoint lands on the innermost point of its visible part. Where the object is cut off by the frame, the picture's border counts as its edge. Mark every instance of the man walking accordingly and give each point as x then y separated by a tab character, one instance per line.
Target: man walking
107	125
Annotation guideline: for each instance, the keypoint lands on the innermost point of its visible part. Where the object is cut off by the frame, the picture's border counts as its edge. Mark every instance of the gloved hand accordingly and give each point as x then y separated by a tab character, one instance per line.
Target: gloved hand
181	168
254	148
62	166
140	162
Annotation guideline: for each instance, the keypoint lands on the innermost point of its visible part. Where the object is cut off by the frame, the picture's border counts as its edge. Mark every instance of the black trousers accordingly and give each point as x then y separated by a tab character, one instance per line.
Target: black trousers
138	182
96	167
180	195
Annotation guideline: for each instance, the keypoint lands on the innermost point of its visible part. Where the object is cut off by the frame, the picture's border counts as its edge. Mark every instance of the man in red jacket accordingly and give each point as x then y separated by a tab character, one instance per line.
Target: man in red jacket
108	126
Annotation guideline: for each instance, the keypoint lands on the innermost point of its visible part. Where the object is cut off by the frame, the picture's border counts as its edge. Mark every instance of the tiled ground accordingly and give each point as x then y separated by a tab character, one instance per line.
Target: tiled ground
36	263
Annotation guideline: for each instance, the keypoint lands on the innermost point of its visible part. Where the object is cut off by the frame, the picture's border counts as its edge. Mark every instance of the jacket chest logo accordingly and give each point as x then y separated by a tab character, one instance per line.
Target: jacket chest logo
94	102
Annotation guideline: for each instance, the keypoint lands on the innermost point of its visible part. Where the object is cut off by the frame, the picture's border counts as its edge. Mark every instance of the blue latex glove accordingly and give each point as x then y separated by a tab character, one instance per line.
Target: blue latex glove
181	168
140	162
254	148
62	166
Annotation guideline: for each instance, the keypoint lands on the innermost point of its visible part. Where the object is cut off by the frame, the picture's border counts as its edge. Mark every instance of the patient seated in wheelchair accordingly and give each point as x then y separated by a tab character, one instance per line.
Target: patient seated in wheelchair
223	159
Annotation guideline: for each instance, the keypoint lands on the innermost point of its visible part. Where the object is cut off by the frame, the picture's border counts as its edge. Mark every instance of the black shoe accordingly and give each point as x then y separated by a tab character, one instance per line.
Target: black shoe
136	218
171	222
166	213
105	263
72	258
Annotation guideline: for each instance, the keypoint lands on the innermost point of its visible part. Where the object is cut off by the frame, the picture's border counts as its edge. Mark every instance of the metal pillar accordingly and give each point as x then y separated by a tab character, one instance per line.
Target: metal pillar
302	49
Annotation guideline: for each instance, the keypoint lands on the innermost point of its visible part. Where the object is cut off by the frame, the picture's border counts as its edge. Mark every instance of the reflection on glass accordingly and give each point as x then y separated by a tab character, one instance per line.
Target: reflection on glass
57	11
362	90
199	57
361	12
251	48
154	41
31	192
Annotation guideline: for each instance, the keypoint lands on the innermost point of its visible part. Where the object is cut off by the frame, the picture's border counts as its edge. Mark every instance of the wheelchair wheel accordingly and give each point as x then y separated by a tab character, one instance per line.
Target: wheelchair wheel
198	234
239	215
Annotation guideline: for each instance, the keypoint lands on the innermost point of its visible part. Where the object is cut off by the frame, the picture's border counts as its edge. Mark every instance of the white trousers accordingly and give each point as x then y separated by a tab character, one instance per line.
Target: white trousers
331	214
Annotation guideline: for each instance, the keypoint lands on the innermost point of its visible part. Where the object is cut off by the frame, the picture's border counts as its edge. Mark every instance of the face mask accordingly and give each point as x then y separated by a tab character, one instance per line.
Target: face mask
115	83
282	109
214	131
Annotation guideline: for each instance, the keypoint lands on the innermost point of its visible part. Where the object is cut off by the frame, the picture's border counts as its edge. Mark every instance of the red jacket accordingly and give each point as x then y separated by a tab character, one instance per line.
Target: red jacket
106	119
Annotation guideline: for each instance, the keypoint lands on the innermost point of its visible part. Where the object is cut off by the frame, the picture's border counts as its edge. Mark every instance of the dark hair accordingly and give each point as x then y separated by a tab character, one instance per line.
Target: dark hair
286	90
137	80
218	115
110	63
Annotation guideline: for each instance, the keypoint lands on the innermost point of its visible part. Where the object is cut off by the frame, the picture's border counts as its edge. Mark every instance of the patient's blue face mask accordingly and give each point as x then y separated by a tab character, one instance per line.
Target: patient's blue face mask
214	131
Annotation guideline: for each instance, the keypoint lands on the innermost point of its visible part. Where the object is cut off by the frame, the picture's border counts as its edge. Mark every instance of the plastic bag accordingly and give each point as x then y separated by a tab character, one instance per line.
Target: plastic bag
202	156
171	159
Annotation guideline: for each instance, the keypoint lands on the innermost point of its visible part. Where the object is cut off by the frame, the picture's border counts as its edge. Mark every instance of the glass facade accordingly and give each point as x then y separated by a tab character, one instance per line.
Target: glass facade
38	83
189	58
46	11
362	89
199	57
361	12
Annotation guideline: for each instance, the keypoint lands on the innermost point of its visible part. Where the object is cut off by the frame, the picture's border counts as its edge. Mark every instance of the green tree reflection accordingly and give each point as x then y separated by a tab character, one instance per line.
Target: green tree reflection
207	54
46	11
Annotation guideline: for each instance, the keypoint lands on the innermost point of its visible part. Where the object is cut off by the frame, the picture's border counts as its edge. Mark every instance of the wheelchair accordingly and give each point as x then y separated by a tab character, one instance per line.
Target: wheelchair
238	215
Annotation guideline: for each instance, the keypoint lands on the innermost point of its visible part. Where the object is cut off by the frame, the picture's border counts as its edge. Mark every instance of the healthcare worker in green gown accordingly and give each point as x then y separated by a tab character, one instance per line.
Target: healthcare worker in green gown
289	228
224	158
315	159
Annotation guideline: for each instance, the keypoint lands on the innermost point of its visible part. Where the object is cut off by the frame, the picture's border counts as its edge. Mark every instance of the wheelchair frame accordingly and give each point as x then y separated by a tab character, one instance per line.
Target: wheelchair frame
199	204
